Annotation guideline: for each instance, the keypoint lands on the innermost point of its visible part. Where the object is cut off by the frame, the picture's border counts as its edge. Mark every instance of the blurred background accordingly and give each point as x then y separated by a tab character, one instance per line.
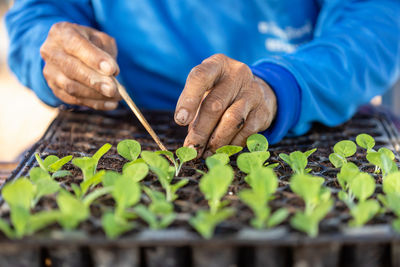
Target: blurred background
23	118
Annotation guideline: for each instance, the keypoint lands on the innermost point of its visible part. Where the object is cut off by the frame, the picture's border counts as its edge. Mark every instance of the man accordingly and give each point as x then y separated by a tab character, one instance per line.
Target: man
256	66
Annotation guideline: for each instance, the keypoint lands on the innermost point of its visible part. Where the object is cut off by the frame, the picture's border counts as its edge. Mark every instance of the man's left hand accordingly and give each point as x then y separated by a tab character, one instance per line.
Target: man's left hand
223	103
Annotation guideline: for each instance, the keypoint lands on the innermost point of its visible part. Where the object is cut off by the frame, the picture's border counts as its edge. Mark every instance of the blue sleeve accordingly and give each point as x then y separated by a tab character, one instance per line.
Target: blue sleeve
354	56
28	23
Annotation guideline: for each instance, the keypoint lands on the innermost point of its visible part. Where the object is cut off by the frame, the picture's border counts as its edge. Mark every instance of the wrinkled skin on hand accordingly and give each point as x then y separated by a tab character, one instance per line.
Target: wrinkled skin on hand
79	65
223	103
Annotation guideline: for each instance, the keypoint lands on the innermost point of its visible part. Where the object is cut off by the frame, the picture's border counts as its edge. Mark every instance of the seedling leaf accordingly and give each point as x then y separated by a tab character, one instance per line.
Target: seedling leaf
362	186
114	226
217	159
391	183
129	149
214	185
186	154
257	142
136	171
205	222
229	150
363	212
365	141
345	148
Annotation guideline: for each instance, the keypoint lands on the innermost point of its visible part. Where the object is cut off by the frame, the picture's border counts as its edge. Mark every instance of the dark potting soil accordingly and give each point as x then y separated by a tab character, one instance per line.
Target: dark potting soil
81	134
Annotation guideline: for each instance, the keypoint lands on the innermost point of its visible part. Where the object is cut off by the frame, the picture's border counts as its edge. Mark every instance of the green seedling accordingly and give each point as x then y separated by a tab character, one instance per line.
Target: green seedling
217	159
317	199
229	150
184	154
88	184
362	186
43	184
214	185
264	183
391	199
73	211
159	214
129	149
136	172
164	172
19	195
205	221
365	141
383	159
256	143
341	151
114	225
297	160
126	193
53	164
88	165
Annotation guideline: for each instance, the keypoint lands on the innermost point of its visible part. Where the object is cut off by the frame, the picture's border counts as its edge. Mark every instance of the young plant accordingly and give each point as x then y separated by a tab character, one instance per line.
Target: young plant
264	183
88	184
88	165
129	149
214	185
365	141
126	193
164	172
317	199
215	160
205	222
341	151
297	160
362	187
257	144
383	159
184	154
43	184
53	164
114	226
159	214
229	150
19	195
391	199
72	210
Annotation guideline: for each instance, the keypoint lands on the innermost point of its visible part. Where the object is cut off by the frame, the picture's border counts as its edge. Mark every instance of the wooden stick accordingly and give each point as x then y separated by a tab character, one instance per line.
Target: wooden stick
122	91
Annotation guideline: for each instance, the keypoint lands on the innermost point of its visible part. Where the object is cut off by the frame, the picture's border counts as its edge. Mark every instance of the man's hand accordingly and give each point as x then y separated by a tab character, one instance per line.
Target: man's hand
79	64
223	103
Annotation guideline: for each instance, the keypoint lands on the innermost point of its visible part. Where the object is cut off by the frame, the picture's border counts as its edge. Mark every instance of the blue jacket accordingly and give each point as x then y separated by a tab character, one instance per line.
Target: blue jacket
322	58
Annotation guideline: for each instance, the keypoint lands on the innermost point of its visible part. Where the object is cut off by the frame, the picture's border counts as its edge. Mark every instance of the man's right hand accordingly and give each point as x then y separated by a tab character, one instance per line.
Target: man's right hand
79	64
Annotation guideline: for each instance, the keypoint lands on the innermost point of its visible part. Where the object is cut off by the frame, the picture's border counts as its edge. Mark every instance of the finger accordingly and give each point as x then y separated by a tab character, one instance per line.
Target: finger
104	42
77	45
77	89
91	103
200	79
257	120
230	124
210	112
76	70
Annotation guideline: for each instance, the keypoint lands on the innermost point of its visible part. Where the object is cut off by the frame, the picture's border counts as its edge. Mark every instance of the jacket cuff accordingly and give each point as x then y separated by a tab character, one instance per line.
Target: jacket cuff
288	96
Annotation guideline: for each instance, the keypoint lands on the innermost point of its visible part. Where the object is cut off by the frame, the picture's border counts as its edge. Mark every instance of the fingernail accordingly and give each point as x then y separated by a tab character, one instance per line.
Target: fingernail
207	154
191	146
107	90
106	67
110	105
182	116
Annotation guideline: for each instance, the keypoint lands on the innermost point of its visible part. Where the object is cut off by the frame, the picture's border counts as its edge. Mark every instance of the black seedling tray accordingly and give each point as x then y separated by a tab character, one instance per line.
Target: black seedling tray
235	243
